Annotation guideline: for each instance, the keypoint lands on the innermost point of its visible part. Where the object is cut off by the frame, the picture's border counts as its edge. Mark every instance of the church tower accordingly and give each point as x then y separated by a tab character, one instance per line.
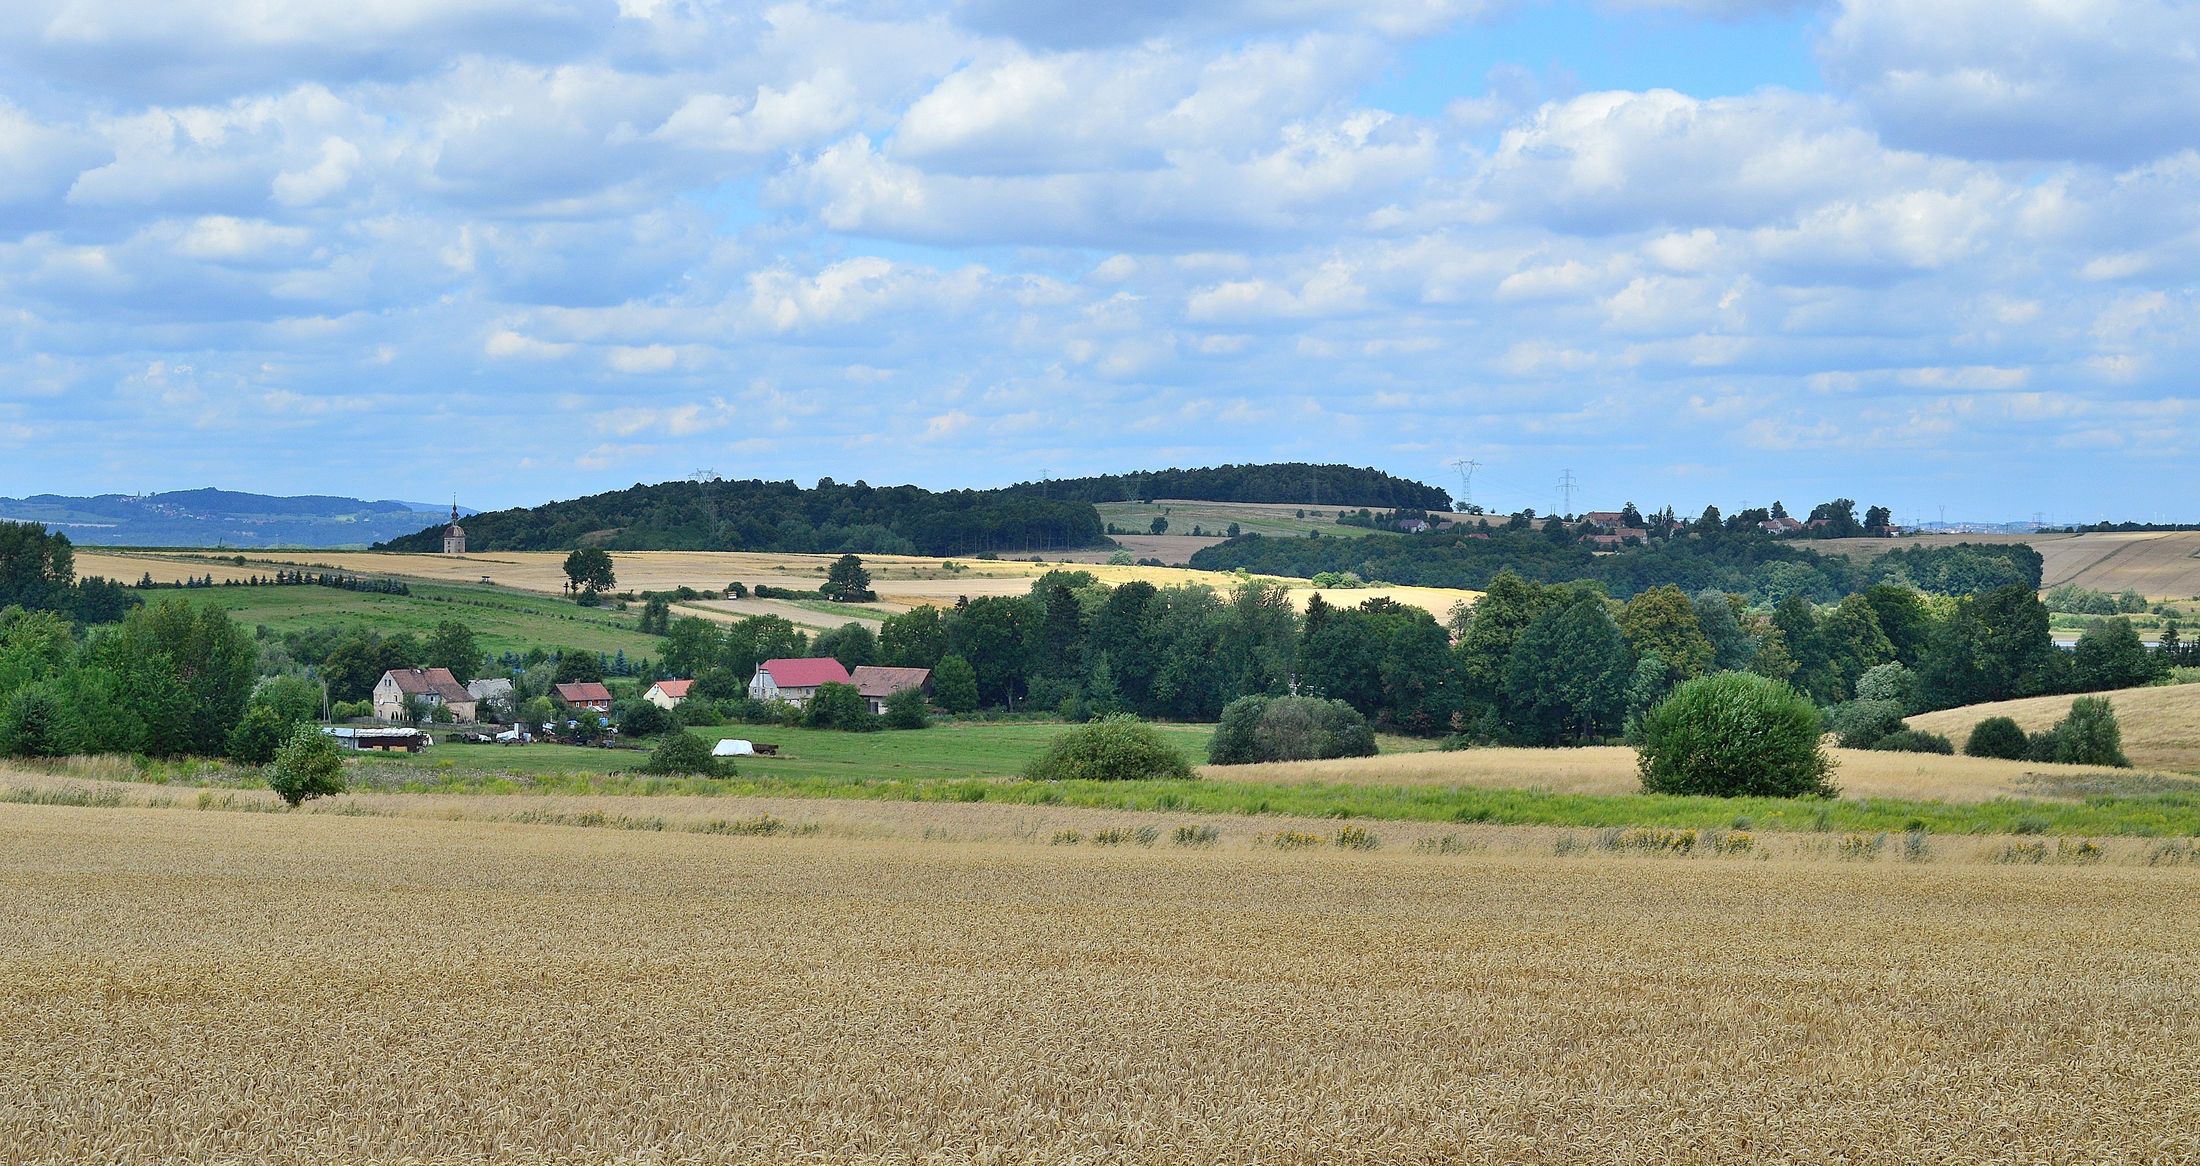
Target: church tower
454	535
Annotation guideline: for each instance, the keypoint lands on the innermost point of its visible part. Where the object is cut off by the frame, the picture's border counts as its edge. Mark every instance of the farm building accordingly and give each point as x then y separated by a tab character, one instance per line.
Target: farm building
377	740
794	681
492	690
395	693
667	694
584	694
877	682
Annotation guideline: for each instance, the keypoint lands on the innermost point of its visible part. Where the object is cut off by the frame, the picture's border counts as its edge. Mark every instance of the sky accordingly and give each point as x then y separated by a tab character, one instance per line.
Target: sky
1928	255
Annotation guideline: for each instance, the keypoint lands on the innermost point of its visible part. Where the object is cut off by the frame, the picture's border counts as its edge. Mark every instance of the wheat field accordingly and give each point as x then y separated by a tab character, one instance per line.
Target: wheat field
2160	724
1610	769
312	988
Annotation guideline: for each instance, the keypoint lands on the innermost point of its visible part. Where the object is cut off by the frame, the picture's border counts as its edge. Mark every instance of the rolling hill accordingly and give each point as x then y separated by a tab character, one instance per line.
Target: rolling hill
220	518
2161	724
2156	564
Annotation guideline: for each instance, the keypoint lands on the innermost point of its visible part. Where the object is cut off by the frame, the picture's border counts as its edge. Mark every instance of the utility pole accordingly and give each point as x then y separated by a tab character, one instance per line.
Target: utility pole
1466	468
1566	487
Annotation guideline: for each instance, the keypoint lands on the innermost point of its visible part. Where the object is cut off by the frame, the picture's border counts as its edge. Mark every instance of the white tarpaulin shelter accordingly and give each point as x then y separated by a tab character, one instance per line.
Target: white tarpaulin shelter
733	748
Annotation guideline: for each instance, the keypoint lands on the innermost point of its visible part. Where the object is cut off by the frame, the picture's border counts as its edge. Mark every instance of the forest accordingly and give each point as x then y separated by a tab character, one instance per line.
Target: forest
1296	483
756	515
1747	563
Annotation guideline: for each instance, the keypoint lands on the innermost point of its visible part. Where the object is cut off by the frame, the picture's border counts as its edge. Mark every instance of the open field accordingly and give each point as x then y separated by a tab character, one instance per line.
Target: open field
2161	724
501	621
2164	565
1610	770
307	988
902	582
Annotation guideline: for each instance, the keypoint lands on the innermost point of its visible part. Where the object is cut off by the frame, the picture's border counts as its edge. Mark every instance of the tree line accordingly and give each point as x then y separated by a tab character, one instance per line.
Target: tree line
1745	562
1297	483
756	515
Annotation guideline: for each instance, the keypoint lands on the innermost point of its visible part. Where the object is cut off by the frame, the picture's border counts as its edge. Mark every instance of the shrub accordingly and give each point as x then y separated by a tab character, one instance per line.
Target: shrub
1118	748
1860	724
905	710
1914	741
643	719
684	753
1888	681
1734	734
695	711
259	734
839	706
39	722
307	766
1289	728
2089	735
1997	737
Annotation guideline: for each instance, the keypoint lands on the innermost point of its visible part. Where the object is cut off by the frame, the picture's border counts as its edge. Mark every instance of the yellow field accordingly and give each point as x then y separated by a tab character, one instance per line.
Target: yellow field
902	582
1610	769
314	988
2157	565
2161	725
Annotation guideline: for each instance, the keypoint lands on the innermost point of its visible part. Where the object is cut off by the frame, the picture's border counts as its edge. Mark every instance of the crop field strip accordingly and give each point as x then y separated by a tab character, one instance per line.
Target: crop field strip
314	988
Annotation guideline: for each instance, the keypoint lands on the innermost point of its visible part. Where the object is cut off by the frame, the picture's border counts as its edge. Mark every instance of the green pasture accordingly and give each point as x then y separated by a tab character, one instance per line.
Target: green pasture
1214	518
502	621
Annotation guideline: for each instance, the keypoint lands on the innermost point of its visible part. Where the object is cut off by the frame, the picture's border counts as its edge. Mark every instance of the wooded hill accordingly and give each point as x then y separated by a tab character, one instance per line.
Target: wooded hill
1293	483
780	516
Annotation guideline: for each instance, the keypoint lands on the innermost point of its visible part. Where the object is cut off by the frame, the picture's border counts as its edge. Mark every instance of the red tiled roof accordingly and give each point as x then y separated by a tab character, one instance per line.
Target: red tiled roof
806	673
879	682
583	692
676	689
437	682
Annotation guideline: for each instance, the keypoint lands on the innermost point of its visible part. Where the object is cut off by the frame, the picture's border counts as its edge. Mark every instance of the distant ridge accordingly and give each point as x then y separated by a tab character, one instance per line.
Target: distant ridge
1290	483
209	517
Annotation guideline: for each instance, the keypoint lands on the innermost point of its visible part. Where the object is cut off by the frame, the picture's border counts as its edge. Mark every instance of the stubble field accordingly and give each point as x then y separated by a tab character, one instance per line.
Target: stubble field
183	986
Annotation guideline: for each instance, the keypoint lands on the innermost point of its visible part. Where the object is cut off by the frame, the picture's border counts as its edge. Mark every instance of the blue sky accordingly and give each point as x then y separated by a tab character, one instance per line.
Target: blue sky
1692	250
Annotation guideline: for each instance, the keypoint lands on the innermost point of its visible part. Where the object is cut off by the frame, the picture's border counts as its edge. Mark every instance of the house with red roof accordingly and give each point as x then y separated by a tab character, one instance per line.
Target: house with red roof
402	690
584	694
877	682
794	681
667	694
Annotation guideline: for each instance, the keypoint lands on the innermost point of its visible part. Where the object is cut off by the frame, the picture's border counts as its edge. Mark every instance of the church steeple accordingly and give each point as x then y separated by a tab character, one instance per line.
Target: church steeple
454	535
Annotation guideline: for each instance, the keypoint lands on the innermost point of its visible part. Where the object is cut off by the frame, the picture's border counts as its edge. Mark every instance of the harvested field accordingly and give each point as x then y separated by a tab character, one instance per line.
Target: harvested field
2161	724
901	582
2158	565
1610	769
307	988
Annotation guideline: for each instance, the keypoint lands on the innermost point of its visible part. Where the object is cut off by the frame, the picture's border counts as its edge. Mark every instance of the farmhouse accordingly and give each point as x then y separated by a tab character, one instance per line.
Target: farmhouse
492	691
584	694
877	682
400	687
794	681
667	694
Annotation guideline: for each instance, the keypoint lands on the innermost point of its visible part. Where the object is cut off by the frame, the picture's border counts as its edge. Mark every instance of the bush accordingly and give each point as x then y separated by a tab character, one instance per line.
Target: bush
1289	728
1118	748
695	711
643	719
684	753
307	766
1997	737
259	734
1860	724
839	706
1734	734
2089	735
906	710
1914	741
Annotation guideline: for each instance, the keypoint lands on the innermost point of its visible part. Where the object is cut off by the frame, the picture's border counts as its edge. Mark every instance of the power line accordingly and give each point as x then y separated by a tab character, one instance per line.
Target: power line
1466	468
1566	487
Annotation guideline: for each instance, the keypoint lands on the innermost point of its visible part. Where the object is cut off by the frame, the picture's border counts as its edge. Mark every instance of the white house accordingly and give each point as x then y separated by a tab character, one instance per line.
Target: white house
667	694
794	681
398	687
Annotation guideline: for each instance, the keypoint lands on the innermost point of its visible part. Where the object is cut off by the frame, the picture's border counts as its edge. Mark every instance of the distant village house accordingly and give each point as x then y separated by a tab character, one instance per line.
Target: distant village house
794	681
667	694
400	689
877	682
584	694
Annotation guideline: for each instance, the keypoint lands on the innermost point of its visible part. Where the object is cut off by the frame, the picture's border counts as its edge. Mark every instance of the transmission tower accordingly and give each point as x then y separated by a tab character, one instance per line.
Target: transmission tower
1466	468
1566	487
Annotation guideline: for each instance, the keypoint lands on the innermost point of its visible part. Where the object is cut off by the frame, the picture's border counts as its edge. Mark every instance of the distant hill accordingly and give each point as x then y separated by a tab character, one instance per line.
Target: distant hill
209	517
780	516
1294	483
2156	722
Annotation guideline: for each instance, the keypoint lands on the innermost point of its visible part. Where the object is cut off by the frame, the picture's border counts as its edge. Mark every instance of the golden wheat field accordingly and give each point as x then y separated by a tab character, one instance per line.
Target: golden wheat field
1610	769
901	582
313	988
2160	724
2156	564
